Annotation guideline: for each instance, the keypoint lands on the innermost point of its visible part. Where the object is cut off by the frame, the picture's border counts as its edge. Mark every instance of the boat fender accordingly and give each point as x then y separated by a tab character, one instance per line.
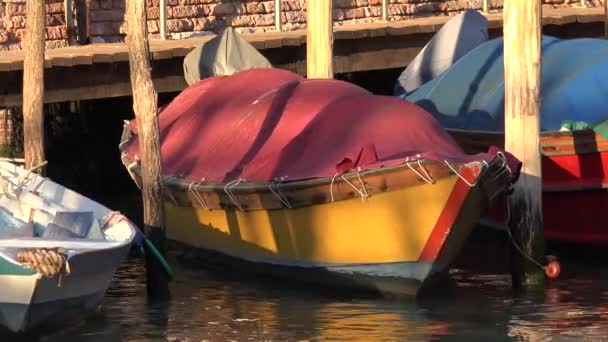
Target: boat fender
553	268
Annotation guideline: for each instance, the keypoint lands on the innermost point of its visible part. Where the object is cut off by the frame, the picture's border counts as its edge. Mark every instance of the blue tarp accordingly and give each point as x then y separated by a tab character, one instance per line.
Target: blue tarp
470	94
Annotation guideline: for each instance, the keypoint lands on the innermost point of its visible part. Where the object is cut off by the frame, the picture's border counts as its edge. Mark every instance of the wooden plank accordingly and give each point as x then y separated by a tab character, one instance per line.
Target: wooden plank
272	43
121	56
103	58
62	61
17	64
161	54
180	52
82	60
163	85
401	30
5	65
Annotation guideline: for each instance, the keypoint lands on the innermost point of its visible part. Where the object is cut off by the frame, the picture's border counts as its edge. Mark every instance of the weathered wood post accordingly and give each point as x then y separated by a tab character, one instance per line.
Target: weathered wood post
33	84
69	20
522	65
145	107
162	21
385	10
606	19
278	20
319	39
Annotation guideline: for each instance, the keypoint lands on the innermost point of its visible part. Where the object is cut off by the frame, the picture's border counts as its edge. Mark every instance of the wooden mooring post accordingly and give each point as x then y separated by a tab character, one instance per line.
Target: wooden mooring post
33	84
145	108
605	19
522	67
319	39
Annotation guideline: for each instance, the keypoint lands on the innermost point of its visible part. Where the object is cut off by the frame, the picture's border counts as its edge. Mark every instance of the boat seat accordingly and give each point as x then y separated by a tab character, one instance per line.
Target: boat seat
73	224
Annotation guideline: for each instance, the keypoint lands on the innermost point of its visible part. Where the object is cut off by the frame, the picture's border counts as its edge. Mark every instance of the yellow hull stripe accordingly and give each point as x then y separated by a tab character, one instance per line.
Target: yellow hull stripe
388	227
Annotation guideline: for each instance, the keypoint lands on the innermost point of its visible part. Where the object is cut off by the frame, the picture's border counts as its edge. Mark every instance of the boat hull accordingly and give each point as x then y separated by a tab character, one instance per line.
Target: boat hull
575	171
393	243
34	302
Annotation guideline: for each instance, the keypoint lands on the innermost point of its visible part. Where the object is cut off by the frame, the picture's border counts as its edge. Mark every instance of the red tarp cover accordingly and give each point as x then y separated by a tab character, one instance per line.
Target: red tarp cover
267	124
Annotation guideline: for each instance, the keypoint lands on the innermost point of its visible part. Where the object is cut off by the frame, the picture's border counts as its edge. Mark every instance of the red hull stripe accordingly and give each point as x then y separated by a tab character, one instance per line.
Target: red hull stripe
447	218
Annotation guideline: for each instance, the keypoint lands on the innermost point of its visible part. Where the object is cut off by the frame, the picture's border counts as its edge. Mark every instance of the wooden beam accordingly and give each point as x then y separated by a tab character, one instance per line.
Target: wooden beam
277	15
145	107
33	84
319	39
522	67
162	25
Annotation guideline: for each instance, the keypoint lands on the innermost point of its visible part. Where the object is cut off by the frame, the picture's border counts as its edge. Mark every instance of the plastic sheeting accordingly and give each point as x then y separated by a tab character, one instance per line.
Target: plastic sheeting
222	56
269	124
456	38
470	95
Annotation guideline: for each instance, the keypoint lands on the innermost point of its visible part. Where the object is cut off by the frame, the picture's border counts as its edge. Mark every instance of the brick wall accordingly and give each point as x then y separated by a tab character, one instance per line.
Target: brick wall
12	24
192	17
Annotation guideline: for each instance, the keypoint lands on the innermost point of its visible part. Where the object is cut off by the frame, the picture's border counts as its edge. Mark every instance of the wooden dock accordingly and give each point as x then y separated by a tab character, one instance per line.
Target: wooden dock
102	70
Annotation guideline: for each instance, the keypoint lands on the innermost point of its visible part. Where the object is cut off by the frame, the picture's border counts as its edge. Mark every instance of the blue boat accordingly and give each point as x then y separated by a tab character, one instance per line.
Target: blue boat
470	94
468	100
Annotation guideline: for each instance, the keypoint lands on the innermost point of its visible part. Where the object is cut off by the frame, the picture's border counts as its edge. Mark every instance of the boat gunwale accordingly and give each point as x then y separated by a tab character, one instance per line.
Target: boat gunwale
303	193
551	147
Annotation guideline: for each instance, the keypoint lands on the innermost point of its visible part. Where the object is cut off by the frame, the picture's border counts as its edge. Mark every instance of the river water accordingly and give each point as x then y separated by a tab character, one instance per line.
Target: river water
476	303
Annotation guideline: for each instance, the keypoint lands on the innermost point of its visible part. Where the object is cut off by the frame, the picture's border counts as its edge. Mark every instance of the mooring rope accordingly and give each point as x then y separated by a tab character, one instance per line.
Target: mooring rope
47	261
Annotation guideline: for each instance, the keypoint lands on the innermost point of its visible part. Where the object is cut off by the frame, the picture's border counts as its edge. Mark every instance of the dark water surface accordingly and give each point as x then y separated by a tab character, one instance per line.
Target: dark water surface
477	304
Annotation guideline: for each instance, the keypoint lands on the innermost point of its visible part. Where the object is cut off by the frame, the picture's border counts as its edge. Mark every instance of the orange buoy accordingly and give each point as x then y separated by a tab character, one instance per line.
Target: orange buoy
553	267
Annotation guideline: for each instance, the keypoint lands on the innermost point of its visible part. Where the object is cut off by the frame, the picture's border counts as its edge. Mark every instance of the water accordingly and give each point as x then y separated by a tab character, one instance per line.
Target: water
477	304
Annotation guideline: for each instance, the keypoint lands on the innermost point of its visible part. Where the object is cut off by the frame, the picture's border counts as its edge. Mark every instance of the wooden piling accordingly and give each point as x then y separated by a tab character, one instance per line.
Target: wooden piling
277	15
145	108
522	65
68	6
605	19
163	19
319	39
385	10
33	84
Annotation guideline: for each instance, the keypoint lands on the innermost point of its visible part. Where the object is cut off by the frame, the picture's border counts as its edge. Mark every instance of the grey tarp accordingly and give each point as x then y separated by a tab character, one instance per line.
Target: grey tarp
225	54
456	38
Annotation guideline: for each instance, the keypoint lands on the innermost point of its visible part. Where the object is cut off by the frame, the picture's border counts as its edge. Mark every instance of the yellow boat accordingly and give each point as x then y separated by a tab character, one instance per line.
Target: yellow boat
390	228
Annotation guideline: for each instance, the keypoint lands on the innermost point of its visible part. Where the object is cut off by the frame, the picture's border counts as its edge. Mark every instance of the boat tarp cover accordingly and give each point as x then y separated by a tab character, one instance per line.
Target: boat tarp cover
457	37
574	91
268	124
223	55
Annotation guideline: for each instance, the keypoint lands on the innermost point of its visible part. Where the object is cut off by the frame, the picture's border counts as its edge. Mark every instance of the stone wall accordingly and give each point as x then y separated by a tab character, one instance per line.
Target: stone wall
186	18
12	24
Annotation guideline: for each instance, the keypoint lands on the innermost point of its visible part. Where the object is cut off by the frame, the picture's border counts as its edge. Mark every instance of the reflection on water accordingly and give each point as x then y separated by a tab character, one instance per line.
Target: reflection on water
475	306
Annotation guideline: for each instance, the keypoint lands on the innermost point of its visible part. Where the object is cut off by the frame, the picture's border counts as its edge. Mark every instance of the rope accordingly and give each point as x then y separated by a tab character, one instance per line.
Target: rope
331	186
363	193
48	262
192	187
279	194
228	190
461	176
429	180
515	244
